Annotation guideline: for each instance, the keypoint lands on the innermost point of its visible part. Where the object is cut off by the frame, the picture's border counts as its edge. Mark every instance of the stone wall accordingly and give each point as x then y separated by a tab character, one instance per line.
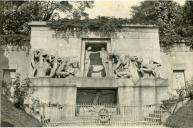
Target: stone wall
178	58
138	41
63	91
130	40
14	59
134	40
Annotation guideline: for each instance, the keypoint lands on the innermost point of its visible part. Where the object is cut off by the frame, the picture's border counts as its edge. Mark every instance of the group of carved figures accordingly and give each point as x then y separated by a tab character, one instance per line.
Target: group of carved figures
132	66
124	67
44	64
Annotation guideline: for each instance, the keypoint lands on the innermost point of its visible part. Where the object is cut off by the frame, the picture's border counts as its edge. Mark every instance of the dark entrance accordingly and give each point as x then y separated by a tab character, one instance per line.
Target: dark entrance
95	65
96	96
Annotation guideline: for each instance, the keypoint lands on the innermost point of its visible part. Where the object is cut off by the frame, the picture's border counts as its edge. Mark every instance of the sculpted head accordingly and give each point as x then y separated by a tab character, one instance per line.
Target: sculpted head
75	64
52	58
127	58
89	48
102	49
37	53
45	56
132	58
59	60
140	60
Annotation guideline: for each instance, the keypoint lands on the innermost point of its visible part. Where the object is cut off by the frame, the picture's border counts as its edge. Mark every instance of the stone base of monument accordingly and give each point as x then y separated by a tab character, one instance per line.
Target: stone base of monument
130	93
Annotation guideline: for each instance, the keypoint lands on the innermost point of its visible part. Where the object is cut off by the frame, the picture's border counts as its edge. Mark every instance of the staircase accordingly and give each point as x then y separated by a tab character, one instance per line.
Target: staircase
154	118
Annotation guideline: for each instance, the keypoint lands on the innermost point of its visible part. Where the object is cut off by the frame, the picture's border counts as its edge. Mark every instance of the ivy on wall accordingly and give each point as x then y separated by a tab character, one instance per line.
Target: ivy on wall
17	40
107	26
174	21
103	25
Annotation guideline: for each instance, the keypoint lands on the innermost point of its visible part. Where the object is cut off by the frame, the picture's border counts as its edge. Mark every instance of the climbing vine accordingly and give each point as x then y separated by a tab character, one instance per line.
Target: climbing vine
102	25
20	41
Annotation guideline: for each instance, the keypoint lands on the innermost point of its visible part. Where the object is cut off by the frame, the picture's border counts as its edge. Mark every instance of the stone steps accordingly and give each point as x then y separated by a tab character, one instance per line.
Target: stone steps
154	117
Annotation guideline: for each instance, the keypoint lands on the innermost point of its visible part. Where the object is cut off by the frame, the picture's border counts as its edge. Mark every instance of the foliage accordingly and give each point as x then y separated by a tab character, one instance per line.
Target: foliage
15	15
182	94
22	90
187	91
21	41
188	12
169	16
103	25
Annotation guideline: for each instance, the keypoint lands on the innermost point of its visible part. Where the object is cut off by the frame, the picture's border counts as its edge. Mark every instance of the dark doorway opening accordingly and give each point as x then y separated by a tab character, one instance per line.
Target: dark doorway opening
91	101
96	96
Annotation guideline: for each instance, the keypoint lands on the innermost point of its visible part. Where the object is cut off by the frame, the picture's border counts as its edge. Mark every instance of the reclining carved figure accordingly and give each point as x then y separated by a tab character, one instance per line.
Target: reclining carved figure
150	69
121	67
133	67
61	70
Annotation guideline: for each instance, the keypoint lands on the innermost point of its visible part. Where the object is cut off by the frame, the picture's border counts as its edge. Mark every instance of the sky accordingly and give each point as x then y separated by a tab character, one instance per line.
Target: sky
115	8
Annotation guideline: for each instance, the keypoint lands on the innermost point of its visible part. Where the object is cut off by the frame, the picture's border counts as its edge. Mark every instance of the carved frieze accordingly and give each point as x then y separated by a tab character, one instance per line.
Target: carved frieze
44	64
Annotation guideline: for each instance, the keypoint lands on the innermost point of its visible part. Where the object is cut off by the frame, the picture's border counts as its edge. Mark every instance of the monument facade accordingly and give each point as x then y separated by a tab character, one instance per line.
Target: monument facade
127	62
125	68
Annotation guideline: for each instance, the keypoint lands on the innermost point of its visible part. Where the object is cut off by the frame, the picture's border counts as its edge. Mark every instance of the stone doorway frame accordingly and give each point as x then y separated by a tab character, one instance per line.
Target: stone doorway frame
92	40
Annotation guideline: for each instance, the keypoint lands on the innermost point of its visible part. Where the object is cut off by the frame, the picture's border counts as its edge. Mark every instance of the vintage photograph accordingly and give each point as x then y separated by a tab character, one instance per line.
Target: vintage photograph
101	63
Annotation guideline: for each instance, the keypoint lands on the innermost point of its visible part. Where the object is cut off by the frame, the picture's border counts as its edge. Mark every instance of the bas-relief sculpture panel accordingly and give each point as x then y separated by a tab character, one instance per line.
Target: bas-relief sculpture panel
44	64
97	64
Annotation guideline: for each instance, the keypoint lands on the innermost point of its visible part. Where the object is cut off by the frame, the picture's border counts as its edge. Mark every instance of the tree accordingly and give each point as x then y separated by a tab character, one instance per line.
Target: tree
169	16
188	12
186	29
16	14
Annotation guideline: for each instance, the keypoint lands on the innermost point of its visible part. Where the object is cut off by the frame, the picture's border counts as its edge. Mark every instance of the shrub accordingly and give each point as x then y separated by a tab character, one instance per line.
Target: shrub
22	90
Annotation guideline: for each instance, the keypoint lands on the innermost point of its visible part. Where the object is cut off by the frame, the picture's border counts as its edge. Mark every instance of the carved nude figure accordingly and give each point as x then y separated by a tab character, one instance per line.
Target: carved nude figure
150	69
61	70
104	57
121	68
35	59
133	68
76	67
43	65
87	59
53	66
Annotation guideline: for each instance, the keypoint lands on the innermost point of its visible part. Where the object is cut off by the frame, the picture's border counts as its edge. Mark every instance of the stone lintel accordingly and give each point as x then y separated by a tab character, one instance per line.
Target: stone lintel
83	82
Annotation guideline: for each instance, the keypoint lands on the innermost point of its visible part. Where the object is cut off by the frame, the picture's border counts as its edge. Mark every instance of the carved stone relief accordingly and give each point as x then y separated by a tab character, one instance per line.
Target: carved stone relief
97	63
133	67
44	64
